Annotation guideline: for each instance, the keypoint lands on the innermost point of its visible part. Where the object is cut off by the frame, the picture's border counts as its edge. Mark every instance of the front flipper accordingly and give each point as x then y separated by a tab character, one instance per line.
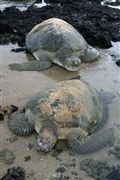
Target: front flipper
92	143
20	124
31	66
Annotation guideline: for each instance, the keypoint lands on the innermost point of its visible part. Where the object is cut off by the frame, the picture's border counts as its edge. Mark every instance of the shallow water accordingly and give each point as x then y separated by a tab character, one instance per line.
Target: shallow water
21	5
26	3
115	7
18	87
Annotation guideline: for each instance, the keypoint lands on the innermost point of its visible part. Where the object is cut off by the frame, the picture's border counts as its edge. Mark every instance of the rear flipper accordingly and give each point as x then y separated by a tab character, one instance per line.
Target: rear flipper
91	54
31	66
93	143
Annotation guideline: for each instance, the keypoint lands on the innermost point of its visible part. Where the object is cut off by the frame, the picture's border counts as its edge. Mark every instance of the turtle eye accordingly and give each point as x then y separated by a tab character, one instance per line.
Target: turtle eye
75	62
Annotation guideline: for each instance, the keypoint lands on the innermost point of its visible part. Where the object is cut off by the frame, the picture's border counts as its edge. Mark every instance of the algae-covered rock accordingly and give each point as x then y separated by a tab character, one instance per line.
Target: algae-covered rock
98	169
6	156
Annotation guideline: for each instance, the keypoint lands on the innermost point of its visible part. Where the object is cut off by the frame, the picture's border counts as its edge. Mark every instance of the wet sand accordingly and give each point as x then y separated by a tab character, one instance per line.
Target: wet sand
18	87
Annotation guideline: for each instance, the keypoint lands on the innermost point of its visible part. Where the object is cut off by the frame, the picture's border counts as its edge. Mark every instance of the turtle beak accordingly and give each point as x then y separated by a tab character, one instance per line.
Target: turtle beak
42	146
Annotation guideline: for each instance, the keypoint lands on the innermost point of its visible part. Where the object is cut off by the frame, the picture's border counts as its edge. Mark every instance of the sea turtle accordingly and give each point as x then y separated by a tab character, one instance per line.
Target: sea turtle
56	41
70	110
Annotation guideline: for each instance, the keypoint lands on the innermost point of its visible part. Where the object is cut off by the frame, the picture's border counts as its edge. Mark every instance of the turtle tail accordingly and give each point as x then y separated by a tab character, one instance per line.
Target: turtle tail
19	124
92	143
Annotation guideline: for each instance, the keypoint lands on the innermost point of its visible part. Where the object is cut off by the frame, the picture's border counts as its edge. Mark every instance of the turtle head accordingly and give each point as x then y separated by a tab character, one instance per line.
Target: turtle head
46	140
72	63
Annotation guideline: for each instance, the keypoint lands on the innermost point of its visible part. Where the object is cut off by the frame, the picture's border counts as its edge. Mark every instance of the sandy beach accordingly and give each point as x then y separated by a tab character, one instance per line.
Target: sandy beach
99	23
18	87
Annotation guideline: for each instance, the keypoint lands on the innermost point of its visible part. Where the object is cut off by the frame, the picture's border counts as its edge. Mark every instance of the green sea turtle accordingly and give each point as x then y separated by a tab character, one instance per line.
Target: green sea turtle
70	110
56	41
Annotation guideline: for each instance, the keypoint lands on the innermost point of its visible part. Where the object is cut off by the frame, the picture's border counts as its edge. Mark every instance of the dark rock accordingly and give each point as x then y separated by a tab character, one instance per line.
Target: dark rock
21	41
12	9
38	1
98	169
98	24
1	116
118	62
116	151
114	175
30	146
14	108
61	169
8	109
67	1
27	158
18	50
14	173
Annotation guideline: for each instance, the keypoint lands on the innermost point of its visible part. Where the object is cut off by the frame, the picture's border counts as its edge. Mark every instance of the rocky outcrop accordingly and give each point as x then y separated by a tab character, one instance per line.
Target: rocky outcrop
98	24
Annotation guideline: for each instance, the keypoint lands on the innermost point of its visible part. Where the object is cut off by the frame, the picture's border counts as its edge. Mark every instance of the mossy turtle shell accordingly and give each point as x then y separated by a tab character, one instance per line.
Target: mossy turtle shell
71	104
53	34
56	41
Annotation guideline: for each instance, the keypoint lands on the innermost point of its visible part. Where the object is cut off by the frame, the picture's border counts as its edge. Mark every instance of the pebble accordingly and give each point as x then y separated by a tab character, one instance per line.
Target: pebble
27	158
12	138
14	108
61	169
74	173
30	146
18	50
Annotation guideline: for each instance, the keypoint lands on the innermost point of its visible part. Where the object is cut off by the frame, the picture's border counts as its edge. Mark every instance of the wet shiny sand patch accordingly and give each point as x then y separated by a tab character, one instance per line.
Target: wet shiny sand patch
18	87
